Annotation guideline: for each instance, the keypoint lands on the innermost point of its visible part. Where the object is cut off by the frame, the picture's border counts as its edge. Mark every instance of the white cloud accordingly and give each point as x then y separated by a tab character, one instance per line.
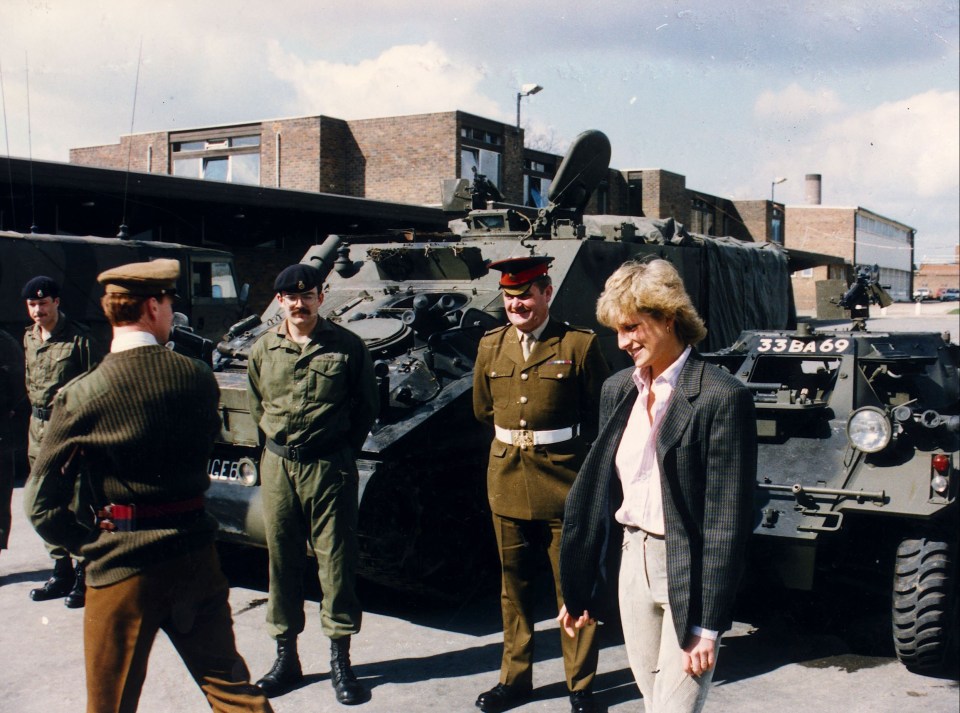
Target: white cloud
795	101
406	79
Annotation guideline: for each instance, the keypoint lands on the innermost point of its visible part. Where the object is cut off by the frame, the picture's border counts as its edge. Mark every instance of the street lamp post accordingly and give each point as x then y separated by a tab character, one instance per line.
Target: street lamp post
773	184
525	91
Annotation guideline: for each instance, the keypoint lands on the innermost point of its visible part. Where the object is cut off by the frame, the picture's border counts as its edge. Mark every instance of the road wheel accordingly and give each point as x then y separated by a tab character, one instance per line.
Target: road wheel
924	603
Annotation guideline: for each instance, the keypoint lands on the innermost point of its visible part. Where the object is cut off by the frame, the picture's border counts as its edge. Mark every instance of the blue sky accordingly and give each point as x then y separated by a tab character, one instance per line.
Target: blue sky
730	94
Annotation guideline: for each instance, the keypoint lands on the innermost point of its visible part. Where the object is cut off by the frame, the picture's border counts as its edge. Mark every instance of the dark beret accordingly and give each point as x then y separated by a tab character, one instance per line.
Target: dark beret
297	278
39	287
157	277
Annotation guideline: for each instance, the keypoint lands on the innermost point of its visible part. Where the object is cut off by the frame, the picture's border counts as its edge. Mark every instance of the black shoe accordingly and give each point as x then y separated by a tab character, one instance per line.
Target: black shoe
78	595
285	672
582	702
349	690
501	697
59	585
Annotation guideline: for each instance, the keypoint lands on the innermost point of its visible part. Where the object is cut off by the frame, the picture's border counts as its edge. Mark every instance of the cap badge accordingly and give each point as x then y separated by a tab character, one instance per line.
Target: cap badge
301	285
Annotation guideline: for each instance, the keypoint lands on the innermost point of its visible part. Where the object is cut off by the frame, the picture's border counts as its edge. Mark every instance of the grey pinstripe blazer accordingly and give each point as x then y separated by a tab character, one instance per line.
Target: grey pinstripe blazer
706	448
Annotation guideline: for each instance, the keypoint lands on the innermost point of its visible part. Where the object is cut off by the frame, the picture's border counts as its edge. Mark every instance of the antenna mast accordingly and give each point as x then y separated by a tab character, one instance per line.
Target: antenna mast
6	136
124	233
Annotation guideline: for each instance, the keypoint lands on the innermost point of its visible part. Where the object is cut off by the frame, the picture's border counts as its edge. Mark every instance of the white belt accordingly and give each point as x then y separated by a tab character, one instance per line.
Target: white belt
524	438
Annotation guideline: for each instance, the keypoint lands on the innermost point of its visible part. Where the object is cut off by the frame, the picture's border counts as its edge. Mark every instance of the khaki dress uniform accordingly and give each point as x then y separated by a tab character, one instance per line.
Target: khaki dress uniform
315	405
544	410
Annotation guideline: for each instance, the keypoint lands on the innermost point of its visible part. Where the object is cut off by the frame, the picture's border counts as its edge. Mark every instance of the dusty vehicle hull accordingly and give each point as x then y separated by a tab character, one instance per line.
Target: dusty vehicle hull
857	467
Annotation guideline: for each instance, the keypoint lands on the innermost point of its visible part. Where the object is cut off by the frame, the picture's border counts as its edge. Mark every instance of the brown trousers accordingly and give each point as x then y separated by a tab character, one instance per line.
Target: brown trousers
186	597
521	543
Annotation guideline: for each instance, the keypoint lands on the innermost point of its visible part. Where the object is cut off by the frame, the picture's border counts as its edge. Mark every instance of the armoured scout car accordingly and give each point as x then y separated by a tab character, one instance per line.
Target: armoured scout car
858	443
421	303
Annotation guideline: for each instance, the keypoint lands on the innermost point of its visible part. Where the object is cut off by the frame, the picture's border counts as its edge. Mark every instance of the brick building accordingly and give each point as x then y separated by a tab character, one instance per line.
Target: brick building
405	159
858	235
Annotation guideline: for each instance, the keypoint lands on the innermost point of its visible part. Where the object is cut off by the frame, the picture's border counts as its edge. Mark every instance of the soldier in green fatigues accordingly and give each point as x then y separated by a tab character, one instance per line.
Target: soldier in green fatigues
313	394
537	382
57	350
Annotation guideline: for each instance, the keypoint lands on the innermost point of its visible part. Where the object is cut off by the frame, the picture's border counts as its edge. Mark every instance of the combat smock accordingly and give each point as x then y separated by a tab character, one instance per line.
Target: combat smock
556	388
143	423
69	352
318	396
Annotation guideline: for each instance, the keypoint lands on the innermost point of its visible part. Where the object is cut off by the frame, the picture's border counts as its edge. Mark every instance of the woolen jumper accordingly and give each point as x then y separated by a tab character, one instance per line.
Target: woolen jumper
144	421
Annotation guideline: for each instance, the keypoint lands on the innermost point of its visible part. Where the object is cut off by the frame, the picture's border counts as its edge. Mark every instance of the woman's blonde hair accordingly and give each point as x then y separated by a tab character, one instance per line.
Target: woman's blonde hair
649	287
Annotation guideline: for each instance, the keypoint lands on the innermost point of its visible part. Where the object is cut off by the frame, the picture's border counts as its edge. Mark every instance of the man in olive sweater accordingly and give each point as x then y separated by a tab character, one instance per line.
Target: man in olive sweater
137	431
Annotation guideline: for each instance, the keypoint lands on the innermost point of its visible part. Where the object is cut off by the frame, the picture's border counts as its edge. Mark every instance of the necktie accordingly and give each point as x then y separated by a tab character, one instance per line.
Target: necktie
527	342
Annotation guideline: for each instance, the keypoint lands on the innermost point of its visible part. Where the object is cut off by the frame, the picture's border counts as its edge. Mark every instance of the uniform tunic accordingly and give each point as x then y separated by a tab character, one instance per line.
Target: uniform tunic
69	352
320	397
557	387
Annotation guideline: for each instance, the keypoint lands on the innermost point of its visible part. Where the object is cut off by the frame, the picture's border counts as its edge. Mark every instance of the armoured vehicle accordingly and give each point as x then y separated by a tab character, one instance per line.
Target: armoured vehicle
858	443
209	295
421	303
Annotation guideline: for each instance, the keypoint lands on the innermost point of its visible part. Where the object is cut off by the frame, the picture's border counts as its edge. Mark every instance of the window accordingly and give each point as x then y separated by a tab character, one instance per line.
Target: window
480	161
701	217
535	191
231	159
213	280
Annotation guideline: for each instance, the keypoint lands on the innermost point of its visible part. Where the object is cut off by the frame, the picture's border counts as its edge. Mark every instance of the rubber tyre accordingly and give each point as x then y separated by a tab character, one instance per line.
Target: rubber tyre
924	606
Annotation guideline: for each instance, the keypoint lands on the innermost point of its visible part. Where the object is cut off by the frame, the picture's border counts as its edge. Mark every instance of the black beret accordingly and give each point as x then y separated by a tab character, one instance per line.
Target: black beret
297	278
39	287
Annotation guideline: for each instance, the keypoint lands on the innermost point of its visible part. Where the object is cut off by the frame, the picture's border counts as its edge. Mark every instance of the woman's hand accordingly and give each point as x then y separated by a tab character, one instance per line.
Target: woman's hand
699	656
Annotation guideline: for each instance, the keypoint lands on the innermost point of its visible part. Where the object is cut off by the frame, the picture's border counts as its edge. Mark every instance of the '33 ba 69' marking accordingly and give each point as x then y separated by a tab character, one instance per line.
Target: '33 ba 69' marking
782	345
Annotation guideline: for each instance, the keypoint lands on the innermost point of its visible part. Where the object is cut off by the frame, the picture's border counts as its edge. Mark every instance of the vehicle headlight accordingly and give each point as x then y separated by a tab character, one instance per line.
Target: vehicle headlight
248	472
869	429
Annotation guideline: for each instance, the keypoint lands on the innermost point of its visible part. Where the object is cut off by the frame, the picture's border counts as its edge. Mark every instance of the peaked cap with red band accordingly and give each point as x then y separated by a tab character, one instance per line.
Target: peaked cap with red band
519	272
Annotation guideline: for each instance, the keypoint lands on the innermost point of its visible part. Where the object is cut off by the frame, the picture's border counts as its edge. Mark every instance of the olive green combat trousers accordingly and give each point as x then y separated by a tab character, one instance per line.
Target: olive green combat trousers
314	502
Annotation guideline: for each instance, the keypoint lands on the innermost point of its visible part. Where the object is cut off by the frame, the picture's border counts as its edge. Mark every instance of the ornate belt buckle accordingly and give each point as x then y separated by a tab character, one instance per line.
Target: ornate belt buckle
522	438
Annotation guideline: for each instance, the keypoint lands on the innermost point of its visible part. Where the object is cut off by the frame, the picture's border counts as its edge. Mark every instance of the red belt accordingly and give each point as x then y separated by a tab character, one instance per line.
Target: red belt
131	517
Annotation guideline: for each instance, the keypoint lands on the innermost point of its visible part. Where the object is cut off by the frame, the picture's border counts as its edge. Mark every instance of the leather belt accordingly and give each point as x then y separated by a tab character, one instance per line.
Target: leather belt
526	439
157	516
296	453
41	413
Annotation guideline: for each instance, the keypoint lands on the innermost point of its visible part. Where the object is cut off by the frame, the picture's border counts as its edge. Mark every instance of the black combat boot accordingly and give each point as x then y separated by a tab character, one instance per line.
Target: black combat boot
285	672
78	595
58	585
349	690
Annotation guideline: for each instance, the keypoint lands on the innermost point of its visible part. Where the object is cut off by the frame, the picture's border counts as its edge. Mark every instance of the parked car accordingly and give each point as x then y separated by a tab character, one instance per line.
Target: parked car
949	294
922	293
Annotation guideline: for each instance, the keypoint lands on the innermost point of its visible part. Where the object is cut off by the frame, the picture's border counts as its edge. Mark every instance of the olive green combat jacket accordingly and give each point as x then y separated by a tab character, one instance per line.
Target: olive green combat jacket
559	386
319	396
70	351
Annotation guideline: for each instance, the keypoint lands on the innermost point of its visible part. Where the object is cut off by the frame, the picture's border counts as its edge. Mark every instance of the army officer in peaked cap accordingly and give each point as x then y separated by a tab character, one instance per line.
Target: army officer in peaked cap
142	425
537	382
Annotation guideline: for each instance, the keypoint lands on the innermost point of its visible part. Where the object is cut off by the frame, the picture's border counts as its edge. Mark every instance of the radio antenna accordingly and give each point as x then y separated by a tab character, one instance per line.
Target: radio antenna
124	230
6	136
33	205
